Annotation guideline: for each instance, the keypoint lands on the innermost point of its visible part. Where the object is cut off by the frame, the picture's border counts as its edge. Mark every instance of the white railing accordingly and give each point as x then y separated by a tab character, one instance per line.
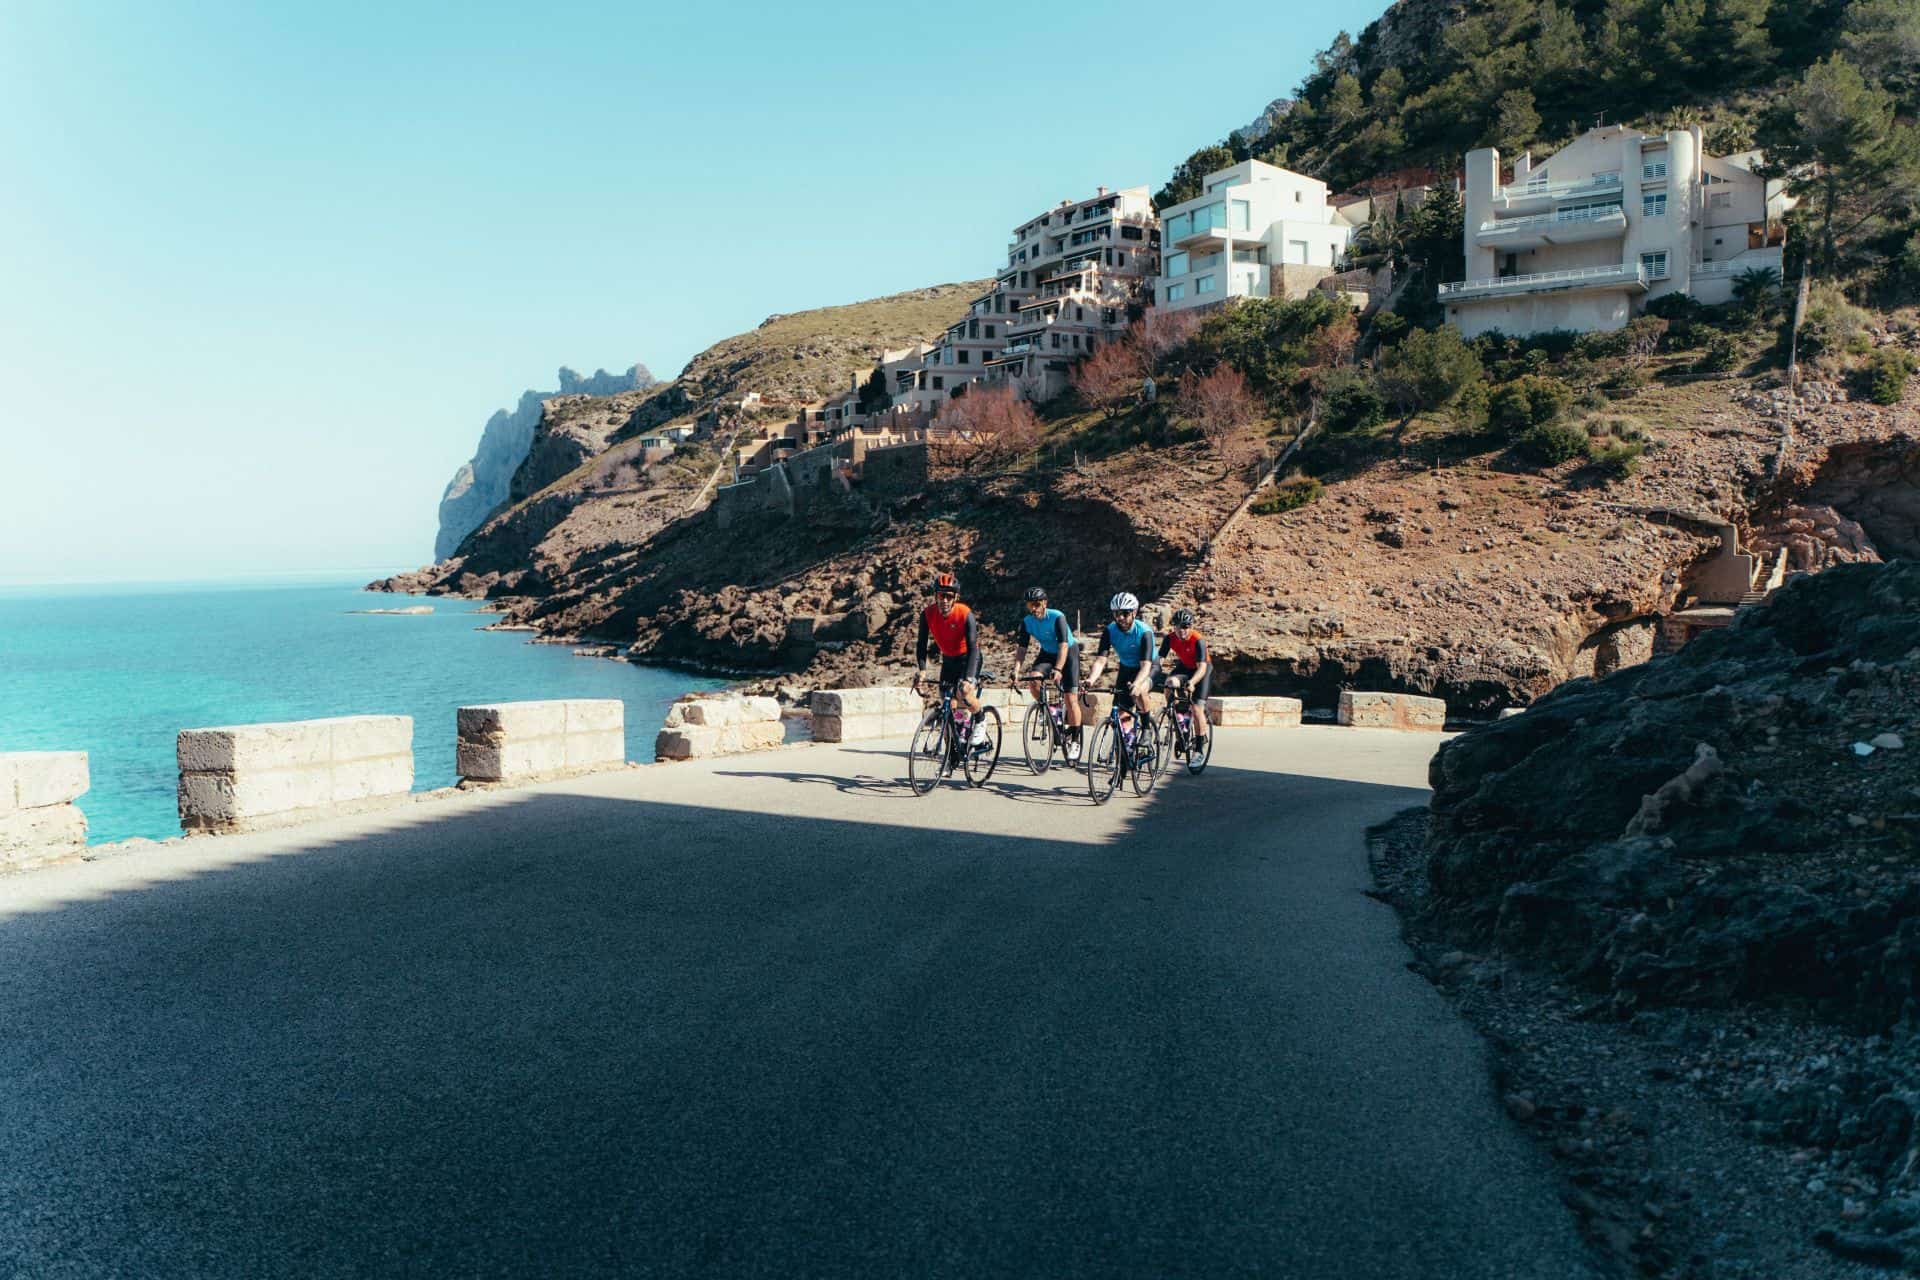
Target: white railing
1531	190
1550	219
1734	266
1623	272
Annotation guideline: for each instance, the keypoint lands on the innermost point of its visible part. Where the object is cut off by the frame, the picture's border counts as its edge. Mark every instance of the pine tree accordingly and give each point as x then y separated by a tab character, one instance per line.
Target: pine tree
1516	123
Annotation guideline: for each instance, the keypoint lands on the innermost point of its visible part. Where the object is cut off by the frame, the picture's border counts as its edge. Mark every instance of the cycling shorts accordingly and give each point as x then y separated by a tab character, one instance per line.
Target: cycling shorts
1199	690
1123	687
962	666
1069	674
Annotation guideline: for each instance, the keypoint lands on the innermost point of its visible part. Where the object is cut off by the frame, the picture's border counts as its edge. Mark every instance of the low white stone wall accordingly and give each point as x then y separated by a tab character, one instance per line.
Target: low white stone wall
39	823
1403	711
528	741
855	715
1254	713
248	776
702	725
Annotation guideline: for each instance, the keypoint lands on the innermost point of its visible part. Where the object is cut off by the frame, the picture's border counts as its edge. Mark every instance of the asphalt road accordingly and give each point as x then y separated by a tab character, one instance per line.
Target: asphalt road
768	1015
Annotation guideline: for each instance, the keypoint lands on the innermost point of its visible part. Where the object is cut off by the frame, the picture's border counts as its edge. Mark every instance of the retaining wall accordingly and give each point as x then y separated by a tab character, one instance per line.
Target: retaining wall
702	725
1254	713
853	715
249	776
39	823
1403	711
527	741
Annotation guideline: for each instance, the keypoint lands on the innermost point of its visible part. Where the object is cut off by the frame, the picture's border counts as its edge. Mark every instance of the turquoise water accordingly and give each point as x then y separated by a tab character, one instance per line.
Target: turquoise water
118	671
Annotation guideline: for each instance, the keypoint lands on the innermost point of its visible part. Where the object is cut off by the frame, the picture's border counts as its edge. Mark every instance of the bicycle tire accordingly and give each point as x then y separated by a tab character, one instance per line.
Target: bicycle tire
1036	735
1199	751
1144	769
1163	743
927	755
980	766
1102	779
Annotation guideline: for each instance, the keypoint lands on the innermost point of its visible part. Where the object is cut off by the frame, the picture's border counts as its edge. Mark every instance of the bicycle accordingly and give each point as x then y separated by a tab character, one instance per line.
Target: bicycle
1044	730
943	744
1182	742
1115	752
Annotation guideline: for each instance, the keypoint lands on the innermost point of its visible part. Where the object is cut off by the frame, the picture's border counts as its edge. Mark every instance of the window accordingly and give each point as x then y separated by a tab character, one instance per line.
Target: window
1129	233
1720	200
1176	292
1056	340
963	355
1653	204
1654	264
1652	170
1296	250
939	383
990	329
1242	216
1079	313
973	328
1296	197
1205	284
1176	264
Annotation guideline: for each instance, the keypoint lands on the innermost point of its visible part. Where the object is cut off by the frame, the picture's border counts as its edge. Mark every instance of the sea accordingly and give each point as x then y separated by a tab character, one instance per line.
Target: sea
118	671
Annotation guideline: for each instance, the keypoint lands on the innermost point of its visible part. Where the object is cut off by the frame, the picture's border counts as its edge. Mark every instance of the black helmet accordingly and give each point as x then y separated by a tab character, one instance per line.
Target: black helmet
1036	594
1183	618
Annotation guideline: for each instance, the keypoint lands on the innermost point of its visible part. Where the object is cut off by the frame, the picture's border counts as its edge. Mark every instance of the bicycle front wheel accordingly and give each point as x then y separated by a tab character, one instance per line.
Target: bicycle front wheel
1106	761
1163	743
1199	751
927	757
980	758
1036	735
1145	765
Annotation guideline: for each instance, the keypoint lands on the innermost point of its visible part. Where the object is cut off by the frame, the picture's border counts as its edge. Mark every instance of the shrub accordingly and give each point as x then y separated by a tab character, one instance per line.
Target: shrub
1644	334
1350	400
1269	340
1624	381
1674	306
1109	377
1722	353
1552	443
1430	369
1887	375
1389	327
1219	404
1607	344
1289	495
1618	459
1527	402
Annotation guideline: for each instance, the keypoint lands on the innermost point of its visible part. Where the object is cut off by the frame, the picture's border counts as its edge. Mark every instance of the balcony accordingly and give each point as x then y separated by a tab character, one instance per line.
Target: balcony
1631	276
1565	226
1537	197
1751	260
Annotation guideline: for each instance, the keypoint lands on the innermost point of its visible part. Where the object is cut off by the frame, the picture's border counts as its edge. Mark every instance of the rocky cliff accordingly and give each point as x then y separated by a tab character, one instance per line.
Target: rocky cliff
484	481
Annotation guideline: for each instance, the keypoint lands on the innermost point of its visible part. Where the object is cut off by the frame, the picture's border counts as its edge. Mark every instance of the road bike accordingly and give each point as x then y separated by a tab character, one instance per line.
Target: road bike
943	746
1133	753
1044	730
1176	728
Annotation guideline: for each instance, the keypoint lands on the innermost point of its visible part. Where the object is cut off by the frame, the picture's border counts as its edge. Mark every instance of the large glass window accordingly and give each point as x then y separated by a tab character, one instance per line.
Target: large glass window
1176	264
1205	284
1175	292
1210	217
1242	215
1179	225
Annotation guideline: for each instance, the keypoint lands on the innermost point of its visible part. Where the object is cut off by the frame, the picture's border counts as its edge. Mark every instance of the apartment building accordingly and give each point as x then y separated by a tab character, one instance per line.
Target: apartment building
1586	237
1074	276
1254	231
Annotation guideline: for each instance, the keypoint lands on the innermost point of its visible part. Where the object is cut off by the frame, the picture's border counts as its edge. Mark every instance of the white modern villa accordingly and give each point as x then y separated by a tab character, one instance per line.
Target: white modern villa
1255	231
1582	239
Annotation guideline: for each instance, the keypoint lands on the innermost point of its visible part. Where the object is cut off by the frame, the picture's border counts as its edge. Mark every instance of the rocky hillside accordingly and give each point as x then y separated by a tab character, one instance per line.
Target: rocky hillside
484	481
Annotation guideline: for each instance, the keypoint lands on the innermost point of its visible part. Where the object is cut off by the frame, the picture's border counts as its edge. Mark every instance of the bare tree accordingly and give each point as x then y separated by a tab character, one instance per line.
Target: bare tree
1221	406
1111	375
985	427
1160	333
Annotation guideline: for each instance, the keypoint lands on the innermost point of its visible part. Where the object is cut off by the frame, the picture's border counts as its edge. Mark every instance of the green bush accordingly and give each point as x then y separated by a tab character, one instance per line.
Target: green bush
1528	401
1268	339
1607	344
1350	401
1430	369
1618	458
1552	443
1887	374
1289	495
1722	353
1624	381
1389	327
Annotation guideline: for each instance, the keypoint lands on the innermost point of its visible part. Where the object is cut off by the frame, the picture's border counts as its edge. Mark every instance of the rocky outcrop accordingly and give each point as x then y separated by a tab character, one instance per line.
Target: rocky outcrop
483	481
1714	827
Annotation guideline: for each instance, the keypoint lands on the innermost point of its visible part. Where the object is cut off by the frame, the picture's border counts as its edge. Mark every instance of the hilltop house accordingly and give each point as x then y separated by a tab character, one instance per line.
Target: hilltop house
1255	231
1584	238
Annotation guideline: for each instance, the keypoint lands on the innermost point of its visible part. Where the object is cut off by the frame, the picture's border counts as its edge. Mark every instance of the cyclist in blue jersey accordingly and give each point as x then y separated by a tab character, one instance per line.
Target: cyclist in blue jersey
1059	660
1130	640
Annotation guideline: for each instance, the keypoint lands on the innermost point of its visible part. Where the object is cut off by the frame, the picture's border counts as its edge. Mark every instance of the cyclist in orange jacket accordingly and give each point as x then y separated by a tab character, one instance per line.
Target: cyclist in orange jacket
949	626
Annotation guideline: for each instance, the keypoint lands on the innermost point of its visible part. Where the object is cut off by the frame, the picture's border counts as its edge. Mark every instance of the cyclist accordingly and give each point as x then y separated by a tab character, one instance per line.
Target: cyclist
1059	660
1130	640
951	628
1192	665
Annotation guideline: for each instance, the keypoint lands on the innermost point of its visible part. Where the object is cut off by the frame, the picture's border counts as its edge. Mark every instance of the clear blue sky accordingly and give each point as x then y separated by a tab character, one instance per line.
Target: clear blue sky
266	269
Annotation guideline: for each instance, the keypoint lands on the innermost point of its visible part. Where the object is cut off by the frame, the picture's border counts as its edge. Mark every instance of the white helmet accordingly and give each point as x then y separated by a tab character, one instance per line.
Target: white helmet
1123	602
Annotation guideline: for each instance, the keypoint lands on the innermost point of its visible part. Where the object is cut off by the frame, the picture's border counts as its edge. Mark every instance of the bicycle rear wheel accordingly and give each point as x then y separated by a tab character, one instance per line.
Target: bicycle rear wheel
927	757
980	761
1106	761
1163	743
1036	735
1145	765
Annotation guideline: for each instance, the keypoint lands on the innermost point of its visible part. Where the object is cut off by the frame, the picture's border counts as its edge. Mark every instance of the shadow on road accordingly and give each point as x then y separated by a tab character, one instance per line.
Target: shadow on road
572	1034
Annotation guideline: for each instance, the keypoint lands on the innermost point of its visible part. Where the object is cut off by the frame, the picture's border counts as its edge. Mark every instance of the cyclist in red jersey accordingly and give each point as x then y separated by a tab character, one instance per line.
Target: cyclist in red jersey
1192	665
949	626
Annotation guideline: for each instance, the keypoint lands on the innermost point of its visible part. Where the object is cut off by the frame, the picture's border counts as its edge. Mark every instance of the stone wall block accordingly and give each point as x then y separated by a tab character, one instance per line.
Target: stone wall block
370	737
36	779
41	836
515	719
855	702
712	712
362	779
597	715
1404	711
255	746
605	747
756	735
759	709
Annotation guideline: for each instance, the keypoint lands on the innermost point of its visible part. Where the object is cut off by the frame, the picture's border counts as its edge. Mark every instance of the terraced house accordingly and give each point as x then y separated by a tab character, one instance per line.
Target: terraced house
1255	231
1584	238
1074	277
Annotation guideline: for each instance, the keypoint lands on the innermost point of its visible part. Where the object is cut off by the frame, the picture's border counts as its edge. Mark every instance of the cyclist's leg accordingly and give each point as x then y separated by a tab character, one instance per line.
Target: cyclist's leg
1124	680
1070	686
1200	704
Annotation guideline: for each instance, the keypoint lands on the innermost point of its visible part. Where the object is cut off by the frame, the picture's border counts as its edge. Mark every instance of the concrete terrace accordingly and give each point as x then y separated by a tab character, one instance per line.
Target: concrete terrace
764	1015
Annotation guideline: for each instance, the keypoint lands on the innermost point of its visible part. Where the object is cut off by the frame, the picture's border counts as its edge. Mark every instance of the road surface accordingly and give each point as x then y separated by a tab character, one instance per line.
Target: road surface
765	1015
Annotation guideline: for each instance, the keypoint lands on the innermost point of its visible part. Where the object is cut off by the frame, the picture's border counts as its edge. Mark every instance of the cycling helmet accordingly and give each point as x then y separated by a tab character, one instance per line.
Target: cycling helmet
1183	618
1125	602
946	582
1036	594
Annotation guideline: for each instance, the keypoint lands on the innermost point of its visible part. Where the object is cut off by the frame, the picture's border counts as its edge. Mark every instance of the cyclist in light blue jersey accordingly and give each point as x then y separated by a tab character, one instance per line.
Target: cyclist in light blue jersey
1059	660
1130	640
